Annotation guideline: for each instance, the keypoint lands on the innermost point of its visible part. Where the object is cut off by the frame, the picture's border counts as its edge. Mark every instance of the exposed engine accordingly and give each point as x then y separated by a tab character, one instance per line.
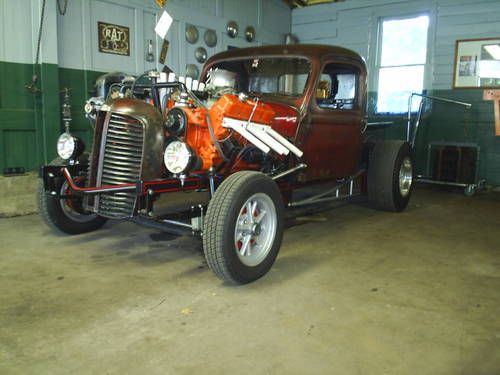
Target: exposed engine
203	129
232	123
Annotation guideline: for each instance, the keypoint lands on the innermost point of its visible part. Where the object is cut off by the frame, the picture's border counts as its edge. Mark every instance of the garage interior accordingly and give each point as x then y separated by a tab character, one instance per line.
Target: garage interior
353	290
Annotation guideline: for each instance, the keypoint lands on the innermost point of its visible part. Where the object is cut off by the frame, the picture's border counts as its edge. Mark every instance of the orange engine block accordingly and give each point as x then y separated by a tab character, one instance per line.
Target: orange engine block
198	134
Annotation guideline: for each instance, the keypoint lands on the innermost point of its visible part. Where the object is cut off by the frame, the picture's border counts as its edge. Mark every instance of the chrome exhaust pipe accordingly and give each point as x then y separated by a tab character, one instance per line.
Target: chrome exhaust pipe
262	136
260	132
239	127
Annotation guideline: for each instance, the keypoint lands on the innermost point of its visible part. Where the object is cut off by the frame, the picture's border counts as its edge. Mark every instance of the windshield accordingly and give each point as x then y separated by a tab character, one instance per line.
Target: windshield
284	76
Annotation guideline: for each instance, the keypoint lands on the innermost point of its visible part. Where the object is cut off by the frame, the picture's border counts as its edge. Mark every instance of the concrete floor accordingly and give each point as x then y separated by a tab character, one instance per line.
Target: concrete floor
354	291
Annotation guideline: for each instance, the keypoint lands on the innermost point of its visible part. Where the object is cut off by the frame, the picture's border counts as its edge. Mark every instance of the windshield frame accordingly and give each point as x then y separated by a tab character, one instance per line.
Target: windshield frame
298	100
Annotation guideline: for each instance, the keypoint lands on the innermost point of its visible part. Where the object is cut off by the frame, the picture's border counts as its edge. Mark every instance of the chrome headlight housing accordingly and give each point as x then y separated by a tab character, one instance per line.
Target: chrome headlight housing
178	157
69	147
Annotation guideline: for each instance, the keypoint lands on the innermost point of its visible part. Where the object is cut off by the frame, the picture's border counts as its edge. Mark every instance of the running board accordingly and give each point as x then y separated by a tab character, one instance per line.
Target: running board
333	194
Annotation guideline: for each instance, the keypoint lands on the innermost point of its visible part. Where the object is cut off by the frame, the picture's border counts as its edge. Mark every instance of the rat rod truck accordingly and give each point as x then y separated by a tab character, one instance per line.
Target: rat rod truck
261	123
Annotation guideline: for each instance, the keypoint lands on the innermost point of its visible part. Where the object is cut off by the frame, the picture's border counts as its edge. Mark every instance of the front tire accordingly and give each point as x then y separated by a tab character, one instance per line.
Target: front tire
64	215
390	175
243	227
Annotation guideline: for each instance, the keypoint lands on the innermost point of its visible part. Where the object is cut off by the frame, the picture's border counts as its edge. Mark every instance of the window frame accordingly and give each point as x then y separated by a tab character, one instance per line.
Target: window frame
357	93
425	9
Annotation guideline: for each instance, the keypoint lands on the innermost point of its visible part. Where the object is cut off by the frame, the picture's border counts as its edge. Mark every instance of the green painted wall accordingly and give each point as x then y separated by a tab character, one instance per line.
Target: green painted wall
81	83
28	122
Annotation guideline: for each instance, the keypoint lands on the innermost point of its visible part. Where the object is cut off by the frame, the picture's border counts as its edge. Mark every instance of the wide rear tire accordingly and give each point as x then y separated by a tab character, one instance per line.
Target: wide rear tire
243	227
390	175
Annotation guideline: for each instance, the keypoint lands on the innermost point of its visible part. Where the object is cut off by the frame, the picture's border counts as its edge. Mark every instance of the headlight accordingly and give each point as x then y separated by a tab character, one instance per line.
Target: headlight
69	146
88	108
178	157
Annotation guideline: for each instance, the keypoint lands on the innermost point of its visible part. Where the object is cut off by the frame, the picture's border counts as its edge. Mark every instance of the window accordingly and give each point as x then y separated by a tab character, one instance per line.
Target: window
337	87
284	76
292	84
401	62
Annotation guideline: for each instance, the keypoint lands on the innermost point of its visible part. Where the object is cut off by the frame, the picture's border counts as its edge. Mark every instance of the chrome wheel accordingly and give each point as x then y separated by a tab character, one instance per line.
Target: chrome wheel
255	229
69	210
405	177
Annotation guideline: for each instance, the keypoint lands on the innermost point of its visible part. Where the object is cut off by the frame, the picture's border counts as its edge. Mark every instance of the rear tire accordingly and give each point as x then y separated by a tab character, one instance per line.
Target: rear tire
390	175
243	227
66	216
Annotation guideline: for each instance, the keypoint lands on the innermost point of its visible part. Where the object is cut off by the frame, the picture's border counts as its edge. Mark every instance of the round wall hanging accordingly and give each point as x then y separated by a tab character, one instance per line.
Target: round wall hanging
250	33
192	71
191	34
232	29
200	54
210	38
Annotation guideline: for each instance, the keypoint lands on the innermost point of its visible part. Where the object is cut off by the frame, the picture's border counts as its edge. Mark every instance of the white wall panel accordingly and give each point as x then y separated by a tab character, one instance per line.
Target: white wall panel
199	6
17	39
2	30
173	55
71	36
19	23
71	39
139	15
244	13
275	16
356	25
101	11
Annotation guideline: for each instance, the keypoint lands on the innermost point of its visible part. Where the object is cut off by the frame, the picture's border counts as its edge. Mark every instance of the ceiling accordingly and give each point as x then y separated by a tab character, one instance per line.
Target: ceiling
305	3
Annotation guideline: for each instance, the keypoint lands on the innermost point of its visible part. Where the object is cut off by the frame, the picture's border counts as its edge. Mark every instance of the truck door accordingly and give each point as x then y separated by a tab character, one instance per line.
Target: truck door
333	143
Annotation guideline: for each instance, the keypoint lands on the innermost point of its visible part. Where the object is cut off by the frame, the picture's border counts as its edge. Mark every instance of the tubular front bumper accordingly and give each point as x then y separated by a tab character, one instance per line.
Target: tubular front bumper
50	174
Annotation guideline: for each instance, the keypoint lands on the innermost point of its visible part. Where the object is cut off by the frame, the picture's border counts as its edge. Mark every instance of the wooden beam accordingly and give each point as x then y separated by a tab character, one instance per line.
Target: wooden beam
303	3
296	3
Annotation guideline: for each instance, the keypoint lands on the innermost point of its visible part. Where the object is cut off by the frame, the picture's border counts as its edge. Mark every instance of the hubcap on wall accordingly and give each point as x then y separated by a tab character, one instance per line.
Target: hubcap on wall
405	177
255	229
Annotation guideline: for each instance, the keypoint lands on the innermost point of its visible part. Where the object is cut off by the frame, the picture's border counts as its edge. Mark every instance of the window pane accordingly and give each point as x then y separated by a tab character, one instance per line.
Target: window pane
404	42
290	84
277	76
395	86
337	87
347	86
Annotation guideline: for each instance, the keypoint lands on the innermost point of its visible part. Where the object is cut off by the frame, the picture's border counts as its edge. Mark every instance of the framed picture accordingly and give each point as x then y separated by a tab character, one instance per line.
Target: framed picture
477	63
113	39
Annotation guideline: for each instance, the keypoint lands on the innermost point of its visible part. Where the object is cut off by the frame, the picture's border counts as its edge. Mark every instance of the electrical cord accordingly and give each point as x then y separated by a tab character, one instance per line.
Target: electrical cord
39	42
32	86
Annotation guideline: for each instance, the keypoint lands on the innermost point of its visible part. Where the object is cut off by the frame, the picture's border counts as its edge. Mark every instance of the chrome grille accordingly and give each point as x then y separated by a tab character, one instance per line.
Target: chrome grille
120	163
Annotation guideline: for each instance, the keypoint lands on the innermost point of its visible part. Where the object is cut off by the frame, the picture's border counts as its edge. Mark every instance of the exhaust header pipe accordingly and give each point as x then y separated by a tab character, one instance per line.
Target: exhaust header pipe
262	136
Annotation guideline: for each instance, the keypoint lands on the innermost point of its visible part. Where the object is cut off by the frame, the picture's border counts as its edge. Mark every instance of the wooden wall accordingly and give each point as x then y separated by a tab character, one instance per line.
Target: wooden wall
30	123
78	30
354	24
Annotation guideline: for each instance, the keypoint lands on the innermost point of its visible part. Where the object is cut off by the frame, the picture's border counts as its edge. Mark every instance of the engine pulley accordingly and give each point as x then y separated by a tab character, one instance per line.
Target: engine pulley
176	122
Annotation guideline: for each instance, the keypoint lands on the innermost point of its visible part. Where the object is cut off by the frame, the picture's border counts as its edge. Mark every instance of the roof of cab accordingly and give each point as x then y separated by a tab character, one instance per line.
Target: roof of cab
311	51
